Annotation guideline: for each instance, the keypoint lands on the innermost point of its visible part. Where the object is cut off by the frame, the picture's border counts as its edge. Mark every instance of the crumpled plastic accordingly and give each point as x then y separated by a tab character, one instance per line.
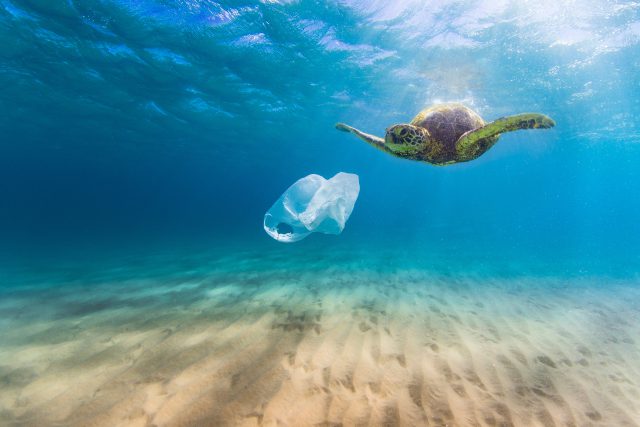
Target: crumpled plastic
313	204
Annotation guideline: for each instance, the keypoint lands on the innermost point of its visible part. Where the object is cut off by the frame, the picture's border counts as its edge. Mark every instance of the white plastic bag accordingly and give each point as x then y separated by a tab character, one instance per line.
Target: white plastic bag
313	204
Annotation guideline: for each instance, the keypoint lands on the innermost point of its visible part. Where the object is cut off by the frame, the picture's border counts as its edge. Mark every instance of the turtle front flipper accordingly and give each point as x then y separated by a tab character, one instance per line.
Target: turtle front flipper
476	142
370	139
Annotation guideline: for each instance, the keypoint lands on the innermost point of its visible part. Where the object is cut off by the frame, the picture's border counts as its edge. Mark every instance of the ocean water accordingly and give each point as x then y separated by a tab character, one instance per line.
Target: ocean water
142	142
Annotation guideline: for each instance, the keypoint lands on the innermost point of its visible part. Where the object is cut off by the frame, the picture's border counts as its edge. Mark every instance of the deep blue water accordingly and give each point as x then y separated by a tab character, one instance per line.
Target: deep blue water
150	125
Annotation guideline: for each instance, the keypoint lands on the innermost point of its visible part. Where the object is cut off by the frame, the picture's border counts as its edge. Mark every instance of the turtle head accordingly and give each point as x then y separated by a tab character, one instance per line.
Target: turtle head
406	140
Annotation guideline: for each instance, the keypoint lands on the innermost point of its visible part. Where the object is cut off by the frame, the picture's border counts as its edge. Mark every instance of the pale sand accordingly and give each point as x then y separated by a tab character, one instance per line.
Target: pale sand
327	348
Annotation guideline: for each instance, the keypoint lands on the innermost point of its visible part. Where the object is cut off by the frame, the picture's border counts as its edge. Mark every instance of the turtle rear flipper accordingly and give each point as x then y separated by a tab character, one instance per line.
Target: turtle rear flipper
475	142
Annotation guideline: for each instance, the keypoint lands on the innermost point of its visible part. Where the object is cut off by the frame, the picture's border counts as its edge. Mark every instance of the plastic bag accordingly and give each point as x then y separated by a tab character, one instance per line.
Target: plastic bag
313	204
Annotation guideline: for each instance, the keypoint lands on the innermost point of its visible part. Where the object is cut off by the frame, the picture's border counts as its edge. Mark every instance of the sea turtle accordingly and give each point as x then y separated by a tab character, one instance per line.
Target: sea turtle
448	133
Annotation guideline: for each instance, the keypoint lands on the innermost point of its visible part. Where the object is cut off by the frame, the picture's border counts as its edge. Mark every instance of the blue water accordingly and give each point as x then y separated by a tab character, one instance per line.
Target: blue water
152	122
144	140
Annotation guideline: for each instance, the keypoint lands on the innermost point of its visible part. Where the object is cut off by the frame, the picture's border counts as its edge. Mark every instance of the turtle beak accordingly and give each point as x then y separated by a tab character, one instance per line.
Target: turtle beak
389	137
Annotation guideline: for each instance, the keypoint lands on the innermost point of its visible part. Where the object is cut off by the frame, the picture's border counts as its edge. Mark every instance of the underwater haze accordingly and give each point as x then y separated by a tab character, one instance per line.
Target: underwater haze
143	141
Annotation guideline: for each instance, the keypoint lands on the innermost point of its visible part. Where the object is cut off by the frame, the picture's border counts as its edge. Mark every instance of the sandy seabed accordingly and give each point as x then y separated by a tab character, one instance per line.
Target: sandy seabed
322	346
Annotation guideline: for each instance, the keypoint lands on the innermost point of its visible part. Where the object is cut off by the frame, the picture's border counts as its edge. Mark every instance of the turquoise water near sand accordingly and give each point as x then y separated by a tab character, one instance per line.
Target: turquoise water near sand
142	142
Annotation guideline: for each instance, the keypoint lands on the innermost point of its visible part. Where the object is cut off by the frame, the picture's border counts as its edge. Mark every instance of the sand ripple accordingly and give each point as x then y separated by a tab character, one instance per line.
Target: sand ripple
327	348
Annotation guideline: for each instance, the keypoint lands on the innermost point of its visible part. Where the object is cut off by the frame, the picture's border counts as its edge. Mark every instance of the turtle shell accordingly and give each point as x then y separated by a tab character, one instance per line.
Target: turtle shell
447	122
